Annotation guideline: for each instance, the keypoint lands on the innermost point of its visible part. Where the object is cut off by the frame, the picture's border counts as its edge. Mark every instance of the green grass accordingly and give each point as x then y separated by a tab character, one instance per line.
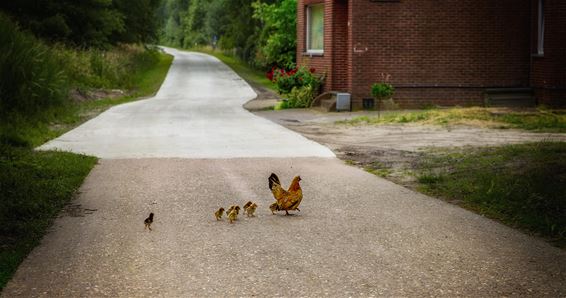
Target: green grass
243	69
35	186
521	185
539	120
378	168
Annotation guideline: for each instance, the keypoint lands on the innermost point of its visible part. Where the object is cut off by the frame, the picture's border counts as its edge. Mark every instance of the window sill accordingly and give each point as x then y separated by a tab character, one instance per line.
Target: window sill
313	54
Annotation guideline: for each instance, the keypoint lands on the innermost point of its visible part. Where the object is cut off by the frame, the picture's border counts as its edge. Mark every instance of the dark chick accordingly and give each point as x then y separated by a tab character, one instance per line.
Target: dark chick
148	221
248	204
218	214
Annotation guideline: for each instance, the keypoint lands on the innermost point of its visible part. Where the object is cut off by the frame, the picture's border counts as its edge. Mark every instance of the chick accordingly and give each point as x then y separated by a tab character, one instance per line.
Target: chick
218	214
237	208
230	209
233	215
148	221
251	210
248	204
273	208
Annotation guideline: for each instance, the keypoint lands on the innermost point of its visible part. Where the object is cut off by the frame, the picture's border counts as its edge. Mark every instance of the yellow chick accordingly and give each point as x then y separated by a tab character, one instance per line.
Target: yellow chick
233	215
251	210
230	209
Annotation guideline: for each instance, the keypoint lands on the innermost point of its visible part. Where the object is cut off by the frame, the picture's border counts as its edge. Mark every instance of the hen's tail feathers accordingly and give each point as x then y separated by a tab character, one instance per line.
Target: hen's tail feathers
273	179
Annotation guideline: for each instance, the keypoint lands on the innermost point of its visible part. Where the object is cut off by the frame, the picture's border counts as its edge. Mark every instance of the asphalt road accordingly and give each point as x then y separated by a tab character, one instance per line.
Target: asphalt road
356	234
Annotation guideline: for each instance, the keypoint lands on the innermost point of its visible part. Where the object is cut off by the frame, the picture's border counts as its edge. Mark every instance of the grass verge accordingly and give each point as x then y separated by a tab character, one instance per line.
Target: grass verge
244	70
35	186
540	120
521	185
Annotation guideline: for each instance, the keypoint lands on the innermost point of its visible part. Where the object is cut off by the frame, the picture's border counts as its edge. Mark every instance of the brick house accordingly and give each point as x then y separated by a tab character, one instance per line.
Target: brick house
450	52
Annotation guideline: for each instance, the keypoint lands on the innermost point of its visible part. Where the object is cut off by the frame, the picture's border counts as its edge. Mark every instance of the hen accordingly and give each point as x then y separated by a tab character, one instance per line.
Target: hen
286	199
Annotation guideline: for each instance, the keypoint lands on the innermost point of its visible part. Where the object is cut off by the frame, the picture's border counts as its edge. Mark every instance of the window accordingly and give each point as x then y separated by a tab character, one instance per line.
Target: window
540	31
315	29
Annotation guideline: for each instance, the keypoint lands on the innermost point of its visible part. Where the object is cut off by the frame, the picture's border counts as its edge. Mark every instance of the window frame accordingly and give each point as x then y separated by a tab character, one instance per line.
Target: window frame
308	30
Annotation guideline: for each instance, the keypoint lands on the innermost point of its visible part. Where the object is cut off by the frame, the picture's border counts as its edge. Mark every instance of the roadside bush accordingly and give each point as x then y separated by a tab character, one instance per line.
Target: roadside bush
286	80
31	78
300	97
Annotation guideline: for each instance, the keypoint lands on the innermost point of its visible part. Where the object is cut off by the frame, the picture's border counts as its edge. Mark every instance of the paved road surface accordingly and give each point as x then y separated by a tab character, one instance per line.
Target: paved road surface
197	113
356	234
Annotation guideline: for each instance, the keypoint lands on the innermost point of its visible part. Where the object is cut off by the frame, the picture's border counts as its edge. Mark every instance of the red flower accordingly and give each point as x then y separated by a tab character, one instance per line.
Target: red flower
312	69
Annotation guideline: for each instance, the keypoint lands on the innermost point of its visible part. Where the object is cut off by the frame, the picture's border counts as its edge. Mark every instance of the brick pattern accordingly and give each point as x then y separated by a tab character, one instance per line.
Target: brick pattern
452	43
548	74
443	52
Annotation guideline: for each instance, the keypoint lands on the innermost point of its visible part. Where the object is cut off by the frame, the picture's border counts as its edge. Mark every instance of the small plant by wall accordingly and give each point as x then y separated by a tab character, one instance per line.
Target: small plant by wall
383	91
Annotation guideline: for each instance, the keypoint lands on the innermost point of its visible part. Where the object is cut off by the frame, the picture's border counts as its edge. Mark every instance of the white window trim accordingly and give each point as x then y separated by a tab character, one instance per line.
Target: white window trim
308	32
540	31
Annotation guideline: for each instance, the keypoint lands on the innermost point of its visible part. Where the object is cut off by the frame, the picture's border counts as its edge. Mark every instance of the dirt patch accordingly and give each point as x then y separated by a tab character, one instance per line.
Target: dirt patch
394	151
79	95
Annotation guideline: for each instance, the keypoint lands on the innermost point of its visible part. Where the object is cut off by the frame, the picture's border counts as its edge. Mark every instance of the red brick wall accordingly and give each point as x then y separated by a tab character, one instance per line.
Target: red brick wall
437	52
548	73
449	44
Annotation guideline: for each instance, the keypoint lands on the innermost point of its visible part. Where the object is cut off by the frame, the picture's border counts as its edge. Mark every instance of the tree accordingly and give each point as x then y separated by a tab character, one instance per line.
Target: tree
277	42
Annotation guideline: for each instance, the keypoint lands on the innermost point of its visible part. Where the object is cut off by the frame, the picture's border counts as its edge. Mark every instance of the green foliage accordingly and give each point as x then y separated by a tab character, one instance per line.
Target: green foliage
524	185
261	33
277	42
87	23
31	78
35	186
111	69
382	90
300	97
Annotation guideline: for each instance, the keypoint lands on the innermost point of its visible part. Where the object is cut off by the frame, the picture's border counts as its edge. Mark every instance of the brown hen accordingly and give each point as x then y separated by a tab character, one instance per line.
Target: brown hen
286	199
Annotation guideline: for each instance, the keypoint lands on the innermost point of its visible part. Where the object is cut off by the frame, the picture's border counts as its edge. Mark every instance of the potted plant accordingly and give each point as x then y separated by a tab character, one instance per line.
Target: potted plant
382	91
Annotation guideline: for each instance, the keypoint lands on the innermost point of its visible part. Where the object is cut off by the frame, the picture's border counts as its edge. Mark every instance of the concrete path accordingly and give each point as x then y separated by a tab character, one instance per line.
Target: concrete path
356	234
197	113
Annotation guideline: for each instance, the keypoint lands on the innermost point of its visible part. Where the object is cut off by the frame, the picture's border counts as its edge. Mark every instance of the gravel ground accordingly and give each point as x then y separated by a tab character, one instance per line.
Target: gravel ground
356	235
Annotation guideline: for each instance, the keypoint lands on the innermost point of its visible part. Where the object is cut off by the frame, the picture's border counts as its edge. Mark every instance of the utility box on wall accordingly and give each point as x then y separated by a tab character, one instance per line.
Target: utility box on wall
343	102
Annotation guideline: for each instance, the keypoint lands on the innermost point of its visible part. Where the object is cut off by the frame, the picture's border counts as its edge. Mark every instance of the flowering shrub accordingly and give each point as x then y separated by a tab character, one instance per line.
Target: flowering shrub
286	80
